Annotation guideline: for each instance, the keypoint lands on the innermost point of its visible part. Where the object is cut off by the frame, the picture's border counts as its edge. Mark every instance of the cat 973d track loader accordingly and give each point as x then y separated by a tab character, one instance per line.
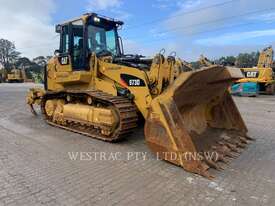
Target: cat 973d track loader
93	88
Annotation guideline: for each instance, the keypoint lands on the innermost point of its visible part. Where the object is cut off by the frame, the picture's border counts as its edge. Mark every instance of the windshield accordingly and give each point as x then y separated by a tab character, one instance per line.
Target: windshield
100	39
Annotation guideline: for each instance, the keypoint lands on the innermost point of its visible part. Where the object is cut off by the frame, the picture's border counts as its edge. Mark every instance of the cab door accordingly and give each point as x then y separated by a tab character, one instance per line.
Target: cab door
64	58
77	49
72	47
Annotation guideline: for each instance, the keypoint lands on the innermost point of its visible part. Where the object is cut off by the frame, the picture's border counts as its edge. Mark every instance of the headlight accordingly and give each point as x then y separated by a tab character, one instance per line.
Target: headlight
96	19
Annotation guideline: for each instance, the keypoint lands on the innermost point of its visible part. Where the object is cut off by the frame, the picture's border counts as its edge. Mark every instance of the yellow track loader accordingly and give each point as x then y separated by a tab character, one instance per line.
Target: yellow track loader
93	88
204	62
16	76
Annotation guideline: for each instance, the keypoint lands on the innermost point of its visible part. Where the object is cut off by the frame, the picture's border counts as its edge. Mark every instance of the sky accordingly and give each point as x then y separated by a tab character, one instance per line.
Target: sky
214	28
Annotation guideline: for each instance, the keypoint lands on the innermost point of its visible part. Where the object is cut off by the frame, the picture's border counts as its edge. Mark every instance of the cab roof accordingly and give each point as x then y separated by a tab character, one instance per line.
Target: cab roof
88	15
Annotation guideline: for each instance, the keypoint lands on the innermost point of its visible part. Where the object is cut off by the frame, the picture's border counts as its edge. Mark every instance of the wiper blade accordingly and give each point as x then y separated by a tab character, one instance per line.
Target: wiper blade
104	53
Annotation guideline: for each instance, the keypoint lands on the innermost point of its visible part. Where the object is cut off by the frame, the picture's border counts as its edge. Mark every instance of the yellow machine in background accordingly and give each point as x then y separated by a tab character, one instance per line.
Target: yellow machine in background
204	62
184	66
266	58
16	75
263	74
93	88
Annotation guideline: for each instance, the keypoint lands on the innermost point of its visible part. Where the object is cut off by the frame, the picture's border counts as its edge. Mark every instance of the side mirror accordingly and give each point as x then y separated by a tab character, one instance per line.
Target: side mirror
57	52
58	28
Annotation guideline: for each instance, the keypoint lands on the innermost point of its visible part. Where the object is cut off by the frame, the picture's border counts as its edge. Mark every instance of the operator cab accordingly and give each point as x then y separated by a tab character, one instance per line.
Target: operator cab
89	34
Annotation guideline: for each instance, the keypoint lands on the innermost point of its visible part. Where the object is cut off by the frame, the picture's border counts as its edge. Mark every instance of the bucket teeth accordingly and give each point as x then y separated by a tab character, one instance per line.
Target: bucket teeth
227	149
236	146
212	164
206	174
232	147
232	155
223	159
220	157
217	157
241	145
221	168
222	150
243	140
205	166
227	160
250	138
236	142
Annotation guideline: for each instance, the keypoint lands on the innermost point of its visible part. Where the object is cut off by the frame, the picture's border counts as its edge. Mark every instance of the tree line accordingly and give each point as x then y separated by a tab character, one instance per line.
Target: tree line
243	60
11	58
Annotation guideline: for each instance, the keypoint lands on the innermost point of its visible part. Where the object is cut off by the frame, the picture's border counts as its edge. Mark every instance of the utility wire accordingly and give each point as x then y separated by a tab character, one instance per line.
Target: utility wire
208	22
198	33
180	14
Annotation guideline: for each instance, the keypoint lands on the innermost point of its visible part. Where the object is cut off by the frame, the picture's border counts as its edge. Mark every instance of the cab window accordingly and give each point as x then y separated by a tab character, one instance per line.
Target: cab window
77	44
65	39
102	39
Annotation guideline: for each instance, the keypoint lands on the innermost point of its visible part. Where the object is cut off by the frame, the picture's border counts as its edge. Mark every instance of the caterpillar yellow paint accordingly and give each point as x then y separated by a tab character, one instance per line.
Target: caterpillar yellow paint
93	88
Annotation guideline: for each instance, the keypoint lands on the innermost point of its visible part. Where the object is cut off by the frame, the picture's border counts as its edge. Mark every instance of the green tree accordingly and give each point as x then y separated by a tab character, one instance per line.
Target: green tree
195	65
40	60
247	60
23	62
226	61
8	53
